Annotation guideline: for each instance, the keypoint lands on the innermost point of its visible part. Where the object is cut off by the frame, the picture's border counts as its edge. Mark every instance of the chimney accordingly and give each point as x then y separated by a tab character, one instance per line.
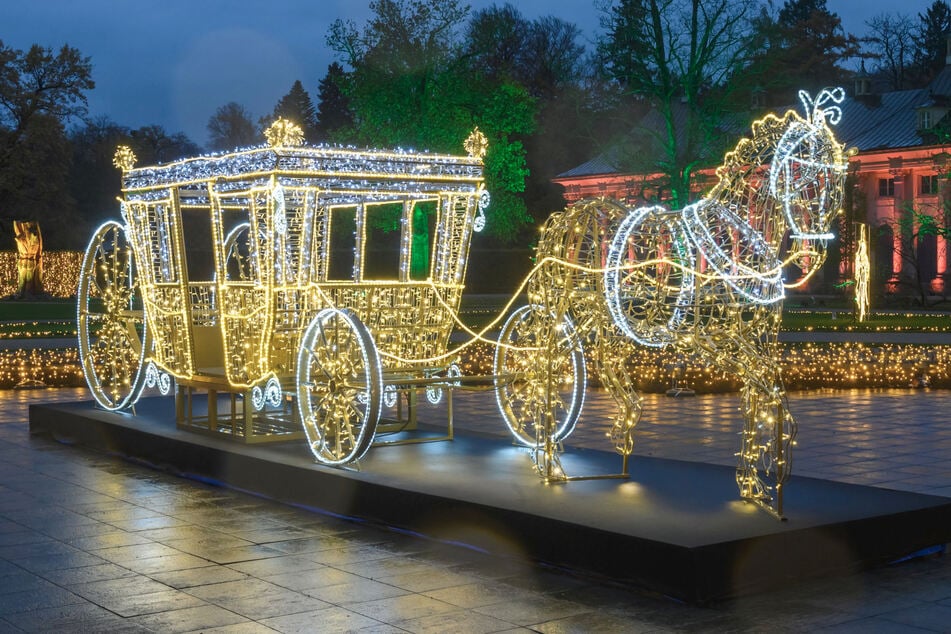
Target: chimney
863	83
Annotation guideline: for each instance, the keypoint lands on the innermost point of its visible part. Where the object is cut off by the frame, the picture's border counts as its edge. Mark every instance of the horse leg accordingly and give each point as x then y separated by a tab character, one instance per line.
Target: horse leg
764	462
617	381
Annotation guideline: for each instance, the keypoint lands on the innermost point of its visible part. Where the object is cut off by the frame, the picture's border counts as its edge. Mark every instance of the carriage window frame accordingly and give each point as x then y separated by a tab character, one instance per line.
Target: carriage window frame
348	271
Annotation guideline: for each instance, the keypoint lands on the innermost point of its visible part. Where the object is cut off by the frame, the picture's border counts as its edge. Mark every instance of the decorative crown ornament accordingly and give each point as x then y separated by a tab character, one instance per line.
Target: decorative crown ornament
284	133
124	158
476	144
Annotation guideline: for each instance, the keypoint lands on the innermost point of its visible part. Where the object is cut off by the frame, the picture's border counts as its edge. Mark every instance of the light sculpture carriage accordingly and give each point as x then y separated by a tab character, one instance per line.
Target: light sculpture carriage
298	331
277	324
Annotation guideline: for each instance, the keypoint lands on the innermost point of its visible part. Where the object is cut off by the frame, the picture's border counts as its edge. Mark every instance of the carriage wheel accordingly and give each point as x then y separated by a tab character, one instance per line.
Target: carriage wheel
541	369
339	386
113	337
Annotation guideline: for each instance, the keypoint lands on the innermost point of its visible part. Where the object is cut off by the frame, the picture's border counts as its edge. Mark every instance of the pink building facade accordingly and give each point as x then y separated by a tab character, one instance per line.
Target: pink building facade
903	160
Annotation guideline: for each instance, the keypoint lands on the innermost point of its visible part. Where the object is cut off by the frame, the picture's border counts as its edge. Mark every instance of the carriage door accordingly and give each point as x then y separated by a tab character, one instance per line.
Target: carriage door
157	235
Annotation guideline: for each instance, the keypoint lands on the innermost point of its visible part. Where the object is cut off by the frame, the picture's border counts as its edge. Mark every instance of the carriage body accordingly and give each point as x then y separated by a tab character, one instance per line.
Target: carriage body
244	313
236	254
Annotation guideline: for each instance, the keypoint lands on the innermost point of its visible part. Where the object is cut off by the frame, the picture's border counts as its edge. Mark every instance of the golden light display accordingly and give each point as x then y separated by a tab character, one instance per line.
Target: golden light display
60	272
124	159
706	281
476	144
284	133
805	366
290	306
292	317
863	272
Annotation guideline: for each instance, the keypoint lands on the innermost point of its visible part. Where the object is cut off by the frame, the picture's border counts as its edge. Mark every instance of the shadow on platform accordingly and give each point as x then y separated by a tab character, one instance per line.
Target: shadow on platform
674	527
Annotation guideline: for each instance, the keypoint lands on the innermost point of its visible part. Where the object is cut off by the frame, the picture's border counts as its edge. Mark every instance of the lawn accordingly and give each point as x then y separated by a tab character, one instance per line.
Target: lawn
798	320
12	310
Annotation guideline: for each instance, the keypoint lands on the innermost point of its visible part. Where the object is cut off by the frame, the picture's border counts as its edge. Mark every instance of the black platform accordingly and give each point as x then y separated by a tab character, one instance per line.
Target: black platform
675	527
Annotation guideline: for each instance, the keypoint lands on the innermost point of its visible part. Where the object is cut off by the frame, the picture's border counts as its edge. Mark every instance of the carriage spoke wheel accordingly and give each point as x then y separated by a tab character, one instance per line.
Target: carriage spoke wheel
113	337
541	375
339	386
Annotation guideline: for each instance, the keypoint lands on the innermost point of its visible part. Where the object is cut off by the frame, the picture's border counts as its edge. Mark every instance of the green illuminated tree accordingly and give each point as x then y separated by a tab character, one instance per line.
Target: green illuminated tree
677	57
409	85
917	230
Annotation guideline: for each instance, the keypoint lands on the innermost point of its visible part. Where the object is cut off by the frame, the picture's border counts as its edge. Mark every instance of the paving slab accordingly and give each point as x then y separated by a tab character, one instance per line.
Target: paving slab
674	526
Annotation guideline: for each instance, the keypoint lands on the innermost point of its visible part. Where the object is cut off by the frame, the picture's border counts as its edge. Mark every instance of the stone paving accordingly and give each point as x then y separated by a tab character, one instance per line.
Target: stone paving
91	543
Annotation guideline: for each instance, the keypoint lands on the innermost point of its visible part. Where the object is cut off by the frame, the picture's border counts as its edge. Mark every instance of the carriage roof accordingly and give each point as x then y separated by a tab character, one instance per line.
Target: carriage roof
377	173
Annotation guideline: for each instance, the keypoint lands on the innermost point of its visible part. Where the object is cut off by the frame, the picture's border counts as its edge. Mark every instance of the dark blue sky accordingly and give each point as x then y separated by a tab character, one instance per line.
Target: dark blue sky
174	62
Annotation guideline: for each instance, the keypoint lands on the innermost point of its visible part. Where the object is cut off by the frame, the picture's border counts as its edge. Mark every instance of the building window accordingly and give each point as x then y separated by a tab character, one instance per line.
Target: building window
886	187
929	185
924	119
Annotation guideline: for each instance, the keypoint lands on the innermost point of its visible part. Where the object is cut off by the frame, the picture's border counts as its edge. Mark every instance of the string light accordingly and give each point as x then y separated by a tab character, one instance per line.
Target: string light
60	272
805	366
113	336
863	272
273	213
705	281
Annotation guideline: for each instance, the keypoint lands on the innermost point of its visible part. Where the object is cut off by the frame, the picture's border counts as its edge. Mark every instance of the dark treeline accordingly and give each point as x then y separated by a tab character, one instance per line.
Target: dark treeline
654	89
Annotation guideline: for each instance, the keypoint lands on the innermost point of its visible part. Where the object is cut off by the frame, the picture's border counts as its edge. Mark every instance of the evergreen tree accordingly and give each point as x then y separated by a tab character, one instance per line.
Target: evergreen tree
931	42
799	11
812	49
297	107
334	117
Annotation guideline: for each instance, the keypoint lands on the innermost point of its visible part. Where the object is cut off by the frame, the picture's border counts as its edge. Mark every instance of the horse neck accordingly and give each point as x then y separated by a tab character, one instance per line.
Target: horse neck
747	193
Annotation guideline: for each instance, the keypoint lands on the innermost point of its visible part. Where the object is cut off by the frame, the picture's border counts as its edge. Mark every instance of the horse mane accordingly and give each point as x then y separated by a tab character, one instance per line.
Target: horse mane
742	178
753	154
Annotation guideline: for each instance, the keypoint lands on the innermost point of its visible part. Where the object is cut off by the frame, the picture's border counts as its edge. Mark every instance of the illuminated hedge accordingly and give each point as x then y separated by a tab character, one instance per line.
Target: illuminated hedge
804	365
55	368
60	272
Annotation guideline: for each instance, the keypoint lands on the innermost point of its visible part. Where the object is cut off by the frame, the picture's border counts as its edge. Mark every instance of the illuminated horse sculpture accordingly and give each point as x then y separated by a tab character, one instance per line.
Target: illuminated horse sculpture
706	280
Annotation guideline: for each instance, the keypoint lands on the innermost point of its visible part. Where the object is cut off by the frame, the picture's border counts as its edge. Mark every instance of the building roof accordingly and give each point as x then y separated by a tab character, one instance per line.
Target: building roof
886	120
604	163
892	123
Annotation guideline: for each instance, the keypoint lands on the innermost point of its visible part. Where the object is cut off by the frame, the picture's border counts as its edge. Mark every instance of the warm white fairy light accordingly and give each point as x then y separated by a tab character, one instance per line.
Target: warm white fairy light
113	334
863	272
340	386
541	361
272	212
705	280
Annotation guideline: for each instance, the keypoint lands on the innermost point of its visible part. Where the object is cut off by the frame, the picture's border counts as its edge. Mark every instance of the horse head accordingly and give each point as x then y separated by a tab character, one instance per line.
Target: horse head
807	178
